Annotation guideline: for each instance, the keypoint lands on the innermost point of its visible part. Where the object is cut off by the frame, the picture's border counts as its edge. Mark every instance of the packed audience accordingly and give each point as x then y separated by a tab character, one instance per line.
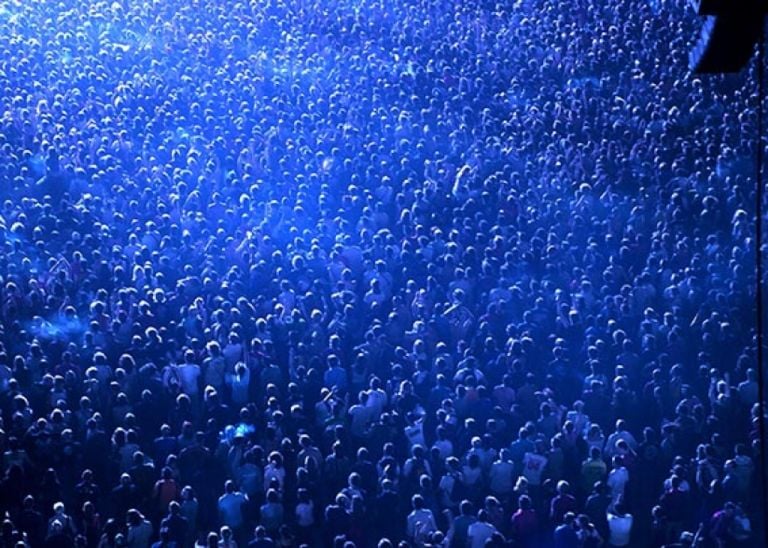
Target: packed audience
374	274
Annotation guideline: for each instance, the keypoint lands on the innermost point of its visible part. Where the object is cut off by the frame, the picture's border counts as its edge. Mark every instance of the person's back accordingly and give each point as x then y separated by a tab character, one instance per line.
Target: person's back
420	521
461	525
565	535
596	508
619	526
272	512
174	525
525	523
501	480
261	539
140	534
231	507
480	531
189	373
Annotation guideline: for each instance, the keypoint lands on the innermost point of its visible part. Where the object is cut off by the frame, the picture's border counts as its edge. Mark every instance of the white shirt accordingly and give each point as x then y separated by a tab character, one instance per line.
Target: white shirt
188	375
273	472
620	528
377	400
479	532
617	480
610	444
420	522
445	447
361	417
415	434
533	467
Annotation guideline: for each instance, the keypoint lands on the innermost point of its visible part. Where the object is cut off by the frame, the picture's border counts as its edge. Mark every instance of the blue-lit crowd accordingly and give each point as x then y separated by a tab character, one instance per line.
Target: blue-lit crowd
374	274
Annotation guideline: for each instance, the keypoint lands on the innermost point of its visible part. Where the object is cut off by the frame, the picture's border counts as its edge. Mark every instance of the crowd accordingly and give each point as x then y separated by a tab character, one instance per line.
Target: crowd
368	273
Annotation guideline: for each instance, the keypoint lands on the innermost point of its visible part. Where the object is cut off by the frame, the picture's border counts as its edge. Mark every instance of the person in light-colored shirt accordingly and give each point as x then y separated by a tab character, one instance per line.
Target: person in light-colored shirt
360	416
420	522
231	506
533	467
617	480
502	470
189	374
619	526
480	531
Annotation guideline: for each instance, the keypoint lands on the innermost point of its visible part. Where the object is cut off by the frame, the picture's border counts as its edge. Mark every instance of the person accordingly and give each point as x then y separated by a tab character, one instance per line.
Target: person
589	536
618	478
565	535
175	525
730	526
562	504
65	523
227	539
674	503
593	470
261	539
481	531
501	479
337	517
164	541
189	510
304	515
525	522
57	536
226	225
139	530
271	512
619	526
230	507
420	522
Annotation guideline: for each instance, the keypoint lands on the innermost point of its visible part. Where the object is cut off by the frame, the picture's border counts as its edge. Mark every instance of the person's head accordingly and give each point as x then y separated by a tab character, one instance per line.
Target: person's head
417	502
133	517
524	502
466	508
